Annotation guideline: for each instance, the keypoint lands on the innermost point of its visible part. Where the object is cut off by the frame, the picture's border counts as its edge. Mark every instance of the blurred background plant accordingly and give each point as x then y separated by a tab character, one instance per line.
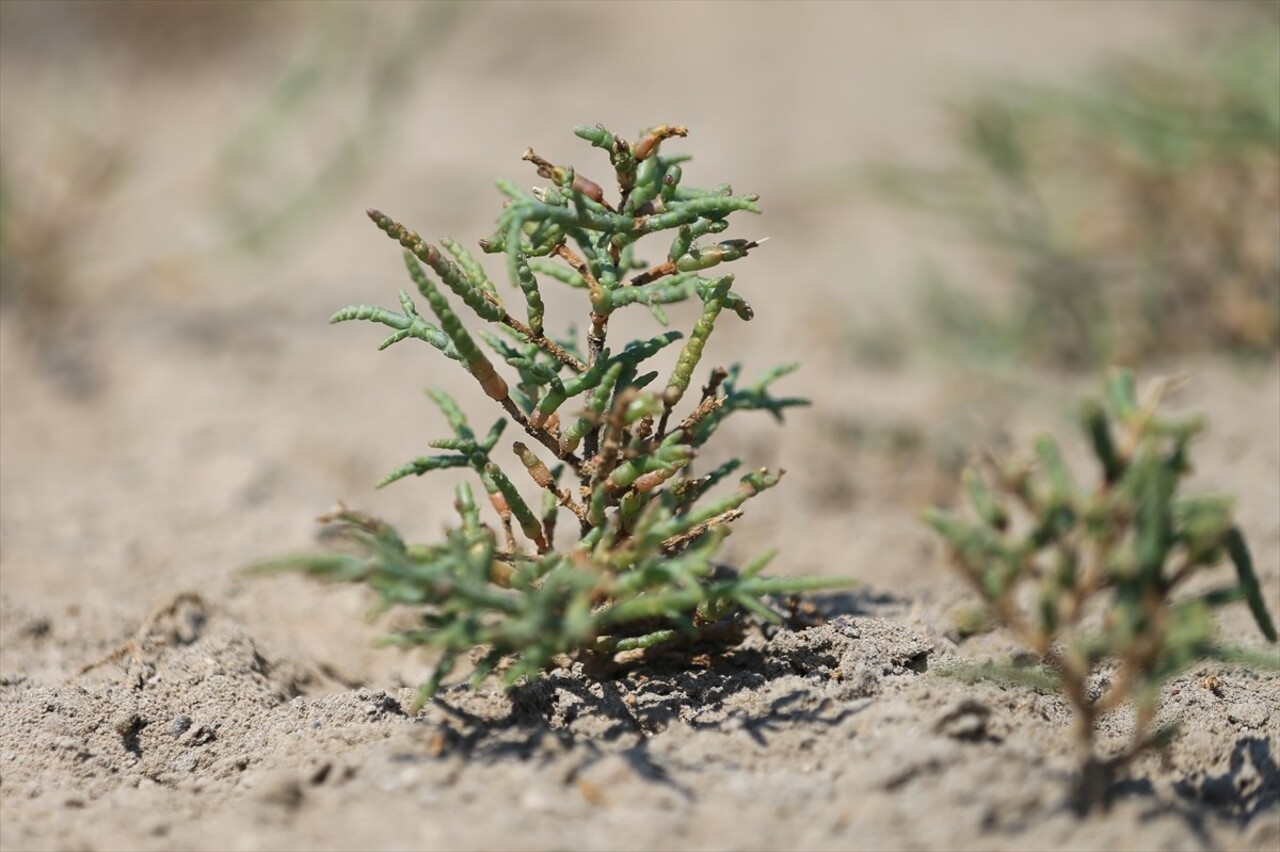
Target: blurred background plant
286	158
303	147
1098	579
41	212
1130	218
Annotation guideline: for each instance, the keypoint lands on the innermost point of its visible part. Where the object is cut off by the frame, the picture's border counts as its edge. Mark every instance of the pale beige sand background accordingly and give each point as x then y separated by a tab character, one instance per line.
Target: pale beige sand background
174	406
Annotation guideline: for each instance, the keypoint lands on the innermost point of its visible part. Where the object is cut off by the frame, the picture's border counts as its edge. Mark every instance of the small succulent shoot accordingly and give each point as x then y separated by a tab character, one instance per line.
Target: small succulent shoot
1094	577
604	439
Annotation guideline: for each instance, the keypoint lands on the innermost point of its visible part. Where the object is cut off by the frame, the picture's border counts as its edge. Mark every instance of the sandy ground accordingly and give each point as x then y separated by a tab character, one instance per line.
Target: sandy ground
174	407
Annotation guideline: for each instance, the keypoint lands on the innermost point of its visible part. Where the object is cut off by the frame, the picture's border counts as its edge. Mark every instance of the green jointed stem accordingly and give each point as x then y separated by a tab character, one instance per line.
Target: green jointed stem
597	135
748	487
529	285
1239	552
620	155
680	245
419	466
524	515
476	362
529	211
649	177
551	401
641	350
464	445
648	640
678	288
1094	418
687	212
537	467
722	252
471	267
594	413
453	415
991	512
1061	485
688	491
466	507
590	379
702	227
449	272
539	373
671	182
457	280
406	326
692	353
561	273
720	190
1122	395
669	462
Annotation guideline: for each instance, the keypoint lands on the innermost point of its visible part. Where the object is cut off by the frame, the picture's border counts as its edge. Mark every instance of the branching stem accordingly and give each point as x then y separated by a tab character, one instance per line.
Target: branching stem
541	435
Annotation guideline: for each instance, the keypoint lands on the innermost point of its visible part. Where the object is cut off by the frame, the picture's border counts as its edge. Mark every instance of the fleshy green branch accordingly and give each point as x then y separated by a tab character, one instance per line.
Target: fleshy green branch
692	353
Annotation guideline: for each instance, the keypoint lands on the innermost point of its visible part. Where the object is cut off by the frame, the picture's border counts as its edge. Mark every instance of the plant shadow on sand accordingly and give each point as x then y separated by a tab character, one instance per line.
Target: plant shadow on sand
783	684
829	696
1247	789
776	680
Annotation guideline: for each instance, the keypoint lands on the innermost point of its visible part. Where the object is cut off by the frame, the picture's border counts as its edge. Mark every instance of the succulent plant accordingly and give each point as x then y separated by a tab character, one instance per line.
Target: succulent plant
605	441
